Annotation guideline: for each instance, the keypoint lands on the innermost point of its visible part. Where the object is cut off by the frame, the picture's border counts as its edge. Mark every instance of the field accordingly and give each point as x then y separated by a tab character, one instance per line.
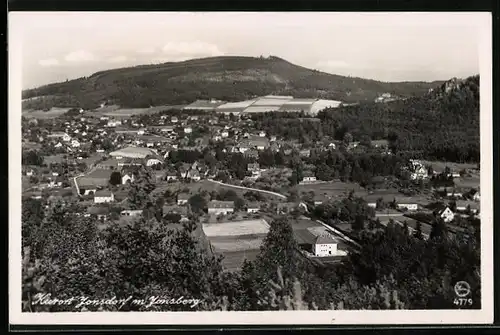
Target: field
455	167
237	228
40	114
334	189
232	261
233	244
116	111
236	241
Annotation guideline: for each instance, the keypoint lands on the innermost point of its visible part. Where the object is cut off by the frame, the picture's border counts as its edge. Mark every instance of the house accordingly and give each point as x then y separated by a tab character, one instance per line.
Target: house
463	206
252	153
325	245
153	161
141	132
476	196
89	191
114	123
262	134
332	146
417	170
131	212
103	196
243	147
188	130
305	153
224	134
319	199
174	119
182	199
171	175
253	207
29	173
193	174
254	168
128	178
58	145
407	206
446	214
455	195
220	207
167	129
309	177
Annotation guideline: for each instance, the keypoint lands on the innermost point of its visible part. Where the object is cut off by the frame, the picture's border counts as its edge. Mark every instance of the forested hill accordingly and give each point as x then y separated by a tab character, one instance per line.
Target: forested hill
228	78
443	124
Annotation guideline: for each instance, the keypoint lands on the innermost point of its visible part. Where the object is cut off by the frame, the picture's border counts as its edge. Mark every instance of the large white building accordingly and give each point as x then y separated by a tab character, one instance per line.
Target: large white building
325	245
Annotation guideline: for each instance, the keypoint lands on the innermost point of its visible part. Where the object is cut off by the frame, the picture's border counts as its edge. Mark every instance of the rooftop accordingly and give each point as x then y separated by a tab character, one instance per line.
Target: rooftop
220	204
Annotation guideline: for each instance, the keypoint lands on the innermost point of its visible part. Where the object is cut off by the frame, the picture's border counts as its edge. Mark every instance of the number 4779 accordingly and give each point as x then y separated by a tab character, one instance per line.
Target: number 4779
462	302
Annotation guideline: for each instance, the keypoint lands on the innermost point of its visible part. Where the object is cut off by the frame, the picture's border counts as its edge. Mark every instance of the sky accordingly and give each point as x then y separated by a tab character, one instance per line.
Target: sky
383	46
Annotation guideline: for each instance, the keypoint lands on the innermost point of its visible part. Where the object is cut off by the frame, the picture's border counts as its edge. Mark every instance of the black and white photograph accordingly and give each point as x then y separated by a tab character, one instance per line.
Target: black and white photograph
250	168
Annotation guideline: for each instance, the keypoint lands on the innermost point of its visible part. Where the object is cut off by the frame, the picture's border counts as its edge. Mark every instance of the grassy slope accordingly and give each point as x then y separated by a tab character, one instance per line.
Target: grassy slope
229	78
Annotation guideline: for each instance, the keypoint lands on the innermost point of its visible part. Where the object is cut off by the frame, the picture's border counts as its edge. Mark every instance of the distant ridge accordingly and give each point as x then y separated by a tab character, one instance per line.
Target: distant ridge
227	78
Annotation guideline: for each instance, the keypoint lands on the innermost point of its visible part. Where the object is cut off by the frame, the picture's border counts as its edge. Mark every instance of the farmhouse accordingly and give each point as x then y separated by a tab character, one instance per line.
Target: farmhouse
193	174
220	207
410	206
309	177
446	214
103	196
182	199
131	212
127	178
253	207
325	245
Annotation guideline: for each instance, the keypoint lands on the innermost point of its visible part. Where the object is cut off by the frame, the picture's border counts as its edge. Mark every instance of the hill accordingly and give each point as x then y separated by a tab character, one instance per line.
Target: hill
227	78
443	124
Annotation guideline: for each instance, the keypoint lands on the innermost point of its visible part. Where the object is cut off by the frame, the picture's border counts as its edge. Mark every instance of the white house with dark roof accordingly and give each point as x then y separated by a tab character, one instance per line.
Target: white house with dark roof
309	177
253	207
220	207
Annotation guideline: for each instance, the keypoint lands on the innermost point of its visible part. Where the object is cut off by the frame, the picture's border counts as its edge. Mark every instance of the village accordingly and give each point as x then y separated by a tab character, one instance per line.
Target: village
94	157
